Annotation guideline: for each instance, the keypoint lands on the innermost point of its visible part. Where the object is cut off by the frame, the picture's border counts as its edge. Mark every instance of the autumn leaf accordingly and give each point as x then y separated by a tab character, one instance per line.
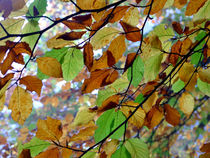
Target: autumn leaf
32	83
70	36
186	103
179	3
52	153
157	5
194	6
88	55
132	17
21	105
138	118
111	147
50	66
175	52
177	27
50	129
172	115
6	65
129	60
204	75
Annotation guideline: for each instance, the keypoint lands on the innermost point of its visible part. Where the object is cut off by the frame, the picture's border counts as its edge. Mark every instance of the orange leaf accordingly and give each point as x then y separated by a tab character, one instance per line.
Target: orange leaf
193	6
177	27
66	153
7	62
179	3
156	6
147	106
51	153
186	45
131	33
172	115
112	55
88	55
50	66
129	60
6	78
99	78
138	118
50	129
32	83
70	36
175	51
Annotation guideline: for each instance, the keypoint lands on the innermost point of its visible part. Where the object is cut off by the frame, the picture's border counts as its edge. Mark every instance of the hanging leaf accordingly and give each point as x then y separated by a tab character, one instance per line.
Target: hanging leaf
137	148
186	103
172	115
50	129
88	55
70	36
49	66
32	83
21	105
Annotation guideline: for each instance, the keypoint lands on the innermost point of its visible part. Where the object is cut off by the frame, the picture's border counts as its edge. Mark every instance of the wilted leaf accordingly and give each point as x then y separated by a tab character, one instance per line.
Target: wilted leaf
137	148
3	140
112	55
99	78
36	146
186	103
49	66
131	33
83	116
21	105
172	115
156	6
50	129
194	6
103	37
32	83
138	118
25	153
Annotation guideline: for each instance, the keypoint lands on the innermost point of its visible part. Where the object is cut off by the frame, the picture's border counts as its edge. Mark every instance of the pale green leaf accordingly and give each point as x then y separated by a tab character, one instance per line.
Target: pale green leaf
203	13
122	152
177	86
204	87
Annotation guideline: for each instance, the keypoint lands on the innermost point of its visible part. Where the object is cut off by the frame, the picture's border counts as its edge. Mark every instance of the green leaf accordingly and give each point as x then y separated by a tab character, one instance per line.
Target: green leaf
118	119
37	8
177	86
36	146
107	122
73	64
31	26
19	147
89	155
122	152
204	87
137	148
139	98
138	71
152	67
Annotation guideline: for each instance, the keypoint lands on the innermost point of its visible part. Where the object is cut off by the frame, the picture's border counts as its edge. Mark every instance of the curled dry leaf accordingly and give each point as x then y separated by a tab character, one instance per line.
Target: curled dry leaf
138	118
21	105
32	83
172	115
186	103
50	66
50	129
99	78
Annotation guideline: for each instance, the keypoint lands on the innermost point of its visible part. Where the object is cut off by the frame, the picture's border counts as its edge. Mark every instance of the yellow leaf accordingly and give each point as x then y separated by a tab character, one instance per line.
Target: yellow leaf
204	75
2	95
103	37
50	66
132	16
50	129
156	6
56	42
32	83
179	3
83	116
147	106
193	6
111	147
21	105
138	118
112	55
188	69
87	4
186	103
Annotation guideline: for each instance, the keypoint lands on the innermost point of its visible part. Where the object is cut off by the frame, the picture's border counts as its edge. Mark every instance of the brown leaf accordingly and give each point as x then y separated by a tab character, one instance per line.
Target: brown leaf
179	3
154	117
3	140
19	59
25	154
138	1
83	19
138	118
51	153
21	105
5	79
156	6
112	55
205	148
50	129
194	6
172	115
131	33
177	27
175	51
50	66
3	50
70	36
109	103
66	153
88	55
186	45
99	78
32	83
129	60
7	62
